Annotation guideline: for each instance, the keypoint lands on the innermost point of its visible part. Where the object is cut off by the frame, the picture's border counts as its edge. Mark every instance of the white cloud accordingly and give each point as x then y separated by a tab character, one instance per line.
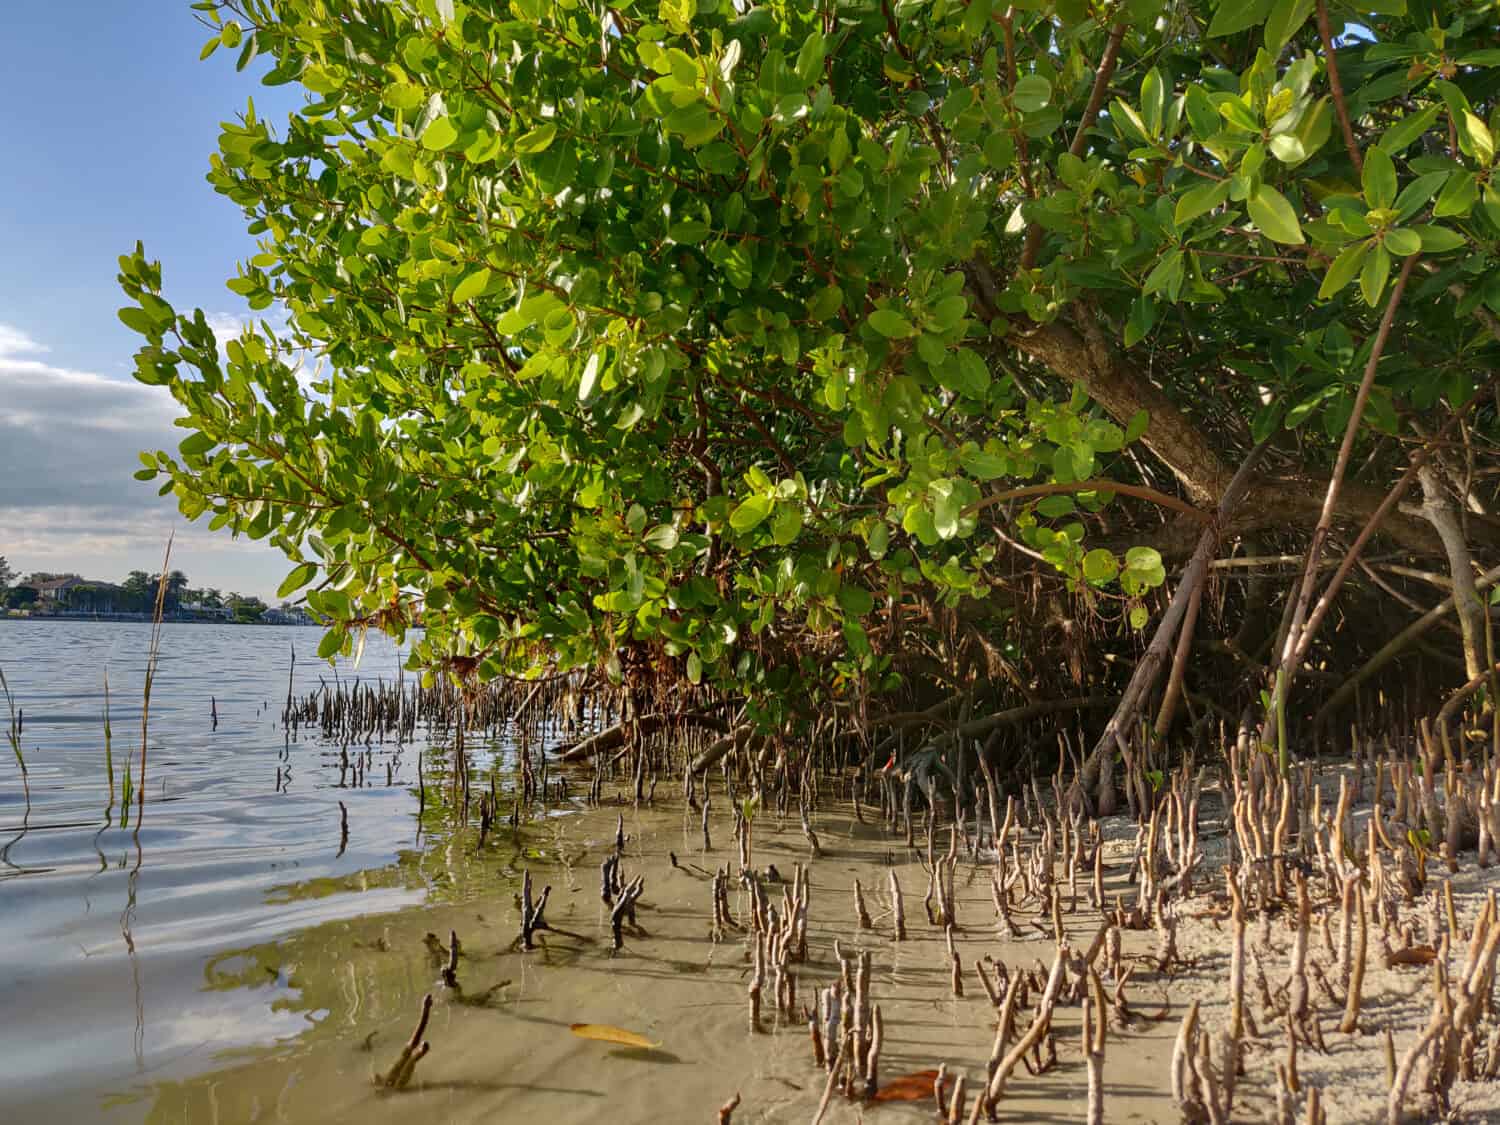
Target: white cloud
69	444
15	342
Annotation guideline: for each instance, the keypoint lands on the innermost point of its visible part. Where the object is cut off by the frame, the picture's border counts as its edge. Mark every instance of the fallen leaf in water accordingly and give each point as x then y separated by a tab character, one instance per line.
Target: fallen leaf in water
607	1034
908	1088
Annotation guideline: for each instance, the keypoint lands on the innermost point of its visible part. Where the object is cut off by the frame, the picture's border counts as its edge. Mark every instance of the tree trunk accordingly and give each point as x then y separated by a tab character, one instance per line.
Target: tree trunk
1437	507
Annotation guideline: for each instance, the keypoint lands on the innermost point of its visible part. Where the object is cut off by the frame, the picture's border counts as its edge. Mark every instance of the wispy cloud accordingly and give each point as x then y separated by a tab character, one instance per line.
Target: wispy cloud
15	342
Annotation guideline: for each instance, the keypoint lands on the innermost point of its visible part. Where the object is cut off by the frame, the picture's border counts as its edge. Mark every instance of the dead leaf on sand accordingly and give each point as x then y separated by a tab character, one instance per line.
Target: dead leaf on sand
605	1033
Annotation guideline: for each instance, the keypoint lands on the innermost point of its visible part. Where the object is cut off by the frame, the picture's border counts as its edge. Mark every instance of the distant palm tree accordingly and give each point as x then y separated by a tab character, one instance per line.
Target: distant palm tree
176	584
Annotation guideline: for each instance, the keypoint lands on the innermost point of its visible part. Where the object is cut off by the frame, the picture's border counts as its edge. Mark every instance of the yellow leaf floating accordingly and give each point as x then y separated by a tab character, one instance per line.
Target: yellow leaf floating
607	1034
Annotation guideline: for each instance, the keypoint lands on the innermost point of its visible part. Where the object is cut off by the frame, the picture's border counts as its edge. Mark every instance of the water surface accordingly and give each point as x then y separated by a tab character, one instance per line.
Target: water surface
113	975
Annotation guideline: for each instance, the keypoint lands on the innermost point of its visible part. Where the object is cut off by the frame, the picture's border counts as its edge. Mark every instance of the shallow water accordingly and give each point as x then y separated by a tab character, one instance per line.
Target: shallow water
110	979
223	962
502	1049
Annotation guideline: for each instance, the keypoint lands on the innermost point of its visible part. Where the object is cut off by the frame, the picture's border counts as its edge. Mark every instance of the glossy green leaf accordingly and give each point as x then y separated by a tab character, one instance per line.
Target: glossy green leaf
298	578
1379	178
1199	201
1271	212
891	324
750	513
471	286
1032	92
1344	269
439	134
1376	271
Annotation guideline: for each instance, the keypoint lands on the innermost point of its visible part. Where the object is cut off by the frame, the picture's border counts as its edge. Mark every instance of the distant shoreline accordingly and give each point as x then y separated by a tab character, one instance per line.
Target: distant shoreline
146	618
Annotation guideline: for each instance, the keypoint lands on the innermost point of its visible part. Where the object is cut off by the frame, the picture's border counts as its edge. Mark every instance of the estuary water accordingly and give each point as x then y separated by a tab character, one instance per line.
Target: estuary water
118	934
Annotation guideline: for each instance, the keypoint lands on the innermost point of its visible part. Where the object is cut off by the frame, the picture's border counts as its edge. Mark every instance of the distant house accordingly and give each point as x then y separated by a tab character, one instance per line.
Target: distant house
287	615
207	612
82	595
56	589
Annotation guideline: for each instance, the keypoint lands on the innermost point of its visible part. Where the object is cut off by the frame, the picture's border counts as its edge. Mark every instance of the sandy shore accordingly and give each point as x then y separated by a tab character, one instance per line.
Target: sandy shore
502	1048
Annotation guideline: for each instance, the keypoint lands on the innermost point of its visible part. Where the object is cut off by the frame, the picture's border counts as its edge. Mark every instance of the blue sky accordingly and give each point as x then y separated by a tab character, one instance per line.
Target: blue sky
112	122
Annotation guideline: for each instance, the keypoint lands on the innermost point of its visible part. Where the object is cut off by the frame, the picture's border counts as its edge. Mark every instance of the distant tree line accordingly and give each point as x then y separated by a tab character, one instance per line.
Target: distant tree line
135	594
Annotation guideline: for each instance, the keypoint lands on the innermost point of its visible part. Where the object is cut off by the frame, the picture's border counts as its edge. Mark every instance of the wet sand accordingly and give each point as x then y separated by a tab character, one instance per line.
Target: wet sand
502	1048
513	1057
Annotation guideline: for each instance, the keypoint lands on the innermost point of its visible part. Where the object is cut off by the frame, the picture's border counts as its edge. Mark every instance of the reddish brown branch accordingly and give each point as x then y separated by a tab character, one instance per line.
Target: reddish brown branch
1337	87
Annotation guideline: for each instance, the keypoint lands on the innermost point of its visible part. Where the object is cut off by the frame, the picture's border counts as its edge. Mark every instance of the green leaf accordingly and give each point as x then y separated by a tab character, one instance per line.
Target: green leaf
138	320
1415	195
855	600
983	465
1203	118
1271	212
1138	617
945	508
891	324
1313	130
694	668
298	578
1123	114
1400	136
662	537
1344	269
196	444
1285	19
1480	144
1233	16
1033	92
1153	99
1379	178
917	520
471	286
1199	201
824	303
689	232
332	643
786	525
1403	243
536	140
1373	277
1136	427
1166	276
1437	239
1100	566
810	58
439	134
1146	561
1458	196
750	513
1287	148
695	123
